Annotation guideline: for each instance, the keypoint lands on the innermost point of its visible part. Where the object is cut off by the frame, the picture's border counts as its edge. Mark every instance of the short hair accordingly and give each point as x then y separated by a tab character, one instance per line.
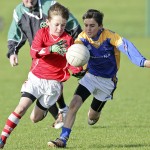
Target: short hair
58	9
95	14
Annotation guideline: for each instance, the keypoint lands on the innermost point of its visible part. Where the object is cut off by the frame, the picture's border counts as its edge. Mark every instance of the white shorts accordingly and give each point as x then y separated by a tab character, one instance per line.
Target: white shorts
101	88
46	91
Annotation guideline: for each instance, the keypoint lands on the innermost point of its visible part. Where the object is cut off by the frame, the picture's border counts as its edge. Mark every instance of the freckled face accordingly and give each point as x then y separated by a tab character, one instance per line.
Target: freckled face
57	25
91	27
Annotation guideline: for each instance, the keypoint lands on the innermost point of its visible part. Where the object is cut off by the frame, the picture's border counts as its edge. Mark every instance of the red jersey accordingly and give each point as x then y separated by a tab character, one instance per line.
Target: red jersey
47	65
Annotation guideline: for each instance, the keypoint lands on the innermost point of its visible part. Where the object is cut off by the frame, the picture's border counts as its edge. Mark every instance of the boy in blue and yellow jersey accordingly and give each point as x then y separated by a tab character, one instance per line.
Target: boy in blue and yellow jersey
28	17
100	80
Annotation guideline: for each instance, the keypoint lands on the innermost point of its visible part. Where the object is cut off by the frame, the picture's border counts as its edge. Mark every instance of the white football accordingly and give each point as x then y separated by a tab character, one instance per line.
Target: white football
77	55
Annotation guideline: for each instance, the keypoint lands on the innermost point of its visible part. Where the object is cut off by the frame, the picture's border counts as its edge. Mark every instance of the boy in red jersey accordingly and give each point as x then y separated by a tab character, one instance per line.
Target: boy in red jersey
48	70
28	17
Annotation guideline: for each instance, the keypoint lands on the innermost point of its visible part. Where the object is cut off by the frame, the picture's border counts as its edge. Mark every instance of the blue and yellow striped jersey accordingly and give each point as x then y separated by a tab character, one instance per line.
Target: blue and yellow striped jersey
105	52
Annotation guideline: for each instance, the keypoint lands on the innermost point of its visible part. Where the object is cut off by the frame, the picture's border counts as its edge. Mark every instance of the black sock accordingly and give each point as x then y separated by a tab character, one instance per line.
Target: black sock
61	102
54	111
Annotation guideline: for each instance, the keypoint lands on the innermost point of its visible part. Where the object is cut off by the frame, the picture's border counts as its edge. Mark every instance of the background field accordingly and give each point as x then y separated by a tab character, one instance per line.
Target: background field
125	121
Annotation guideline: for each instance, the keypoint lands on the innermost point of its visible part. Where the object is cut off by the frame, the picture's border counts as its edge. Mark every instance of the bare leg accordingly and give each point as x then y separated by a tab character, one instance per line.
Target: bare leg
69	121
37	114
73	108
93	116
14	119
23	105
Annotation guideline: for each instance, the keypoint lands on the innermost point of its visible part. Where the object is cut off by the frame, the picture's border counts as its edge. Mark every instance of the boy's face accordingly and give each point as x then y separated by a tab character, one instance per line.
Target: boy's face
57	25
91	27
29	3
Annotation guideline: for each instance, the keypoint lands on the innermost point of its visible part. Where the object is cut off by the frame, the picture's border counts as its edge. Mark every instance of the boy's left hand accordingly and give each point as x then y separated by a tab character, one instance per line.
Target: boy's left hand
80	74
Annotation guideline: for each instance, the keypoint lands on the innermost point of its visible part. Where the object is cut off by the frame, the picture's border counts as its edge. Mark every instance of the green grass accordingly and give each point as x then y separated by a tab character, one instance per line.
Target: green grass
124	124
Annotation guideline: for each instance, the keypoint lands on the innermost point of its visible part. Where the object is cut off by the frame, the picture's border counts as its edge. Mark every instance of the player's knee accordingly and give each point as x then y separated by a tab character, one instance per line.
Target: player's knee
93	115
34	119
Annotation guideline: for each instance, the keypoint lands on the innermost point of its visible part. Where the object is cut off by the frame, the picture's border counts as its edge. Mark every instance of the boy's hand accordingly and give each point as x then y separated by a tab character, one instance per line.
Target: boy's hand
80	74
59	47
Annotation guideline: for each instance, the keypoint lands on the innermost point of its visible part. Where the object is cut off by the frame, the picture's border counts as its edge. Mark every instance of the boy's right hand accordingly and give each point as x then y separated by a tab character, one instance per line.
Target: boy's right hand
59	47
80	74
13	60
